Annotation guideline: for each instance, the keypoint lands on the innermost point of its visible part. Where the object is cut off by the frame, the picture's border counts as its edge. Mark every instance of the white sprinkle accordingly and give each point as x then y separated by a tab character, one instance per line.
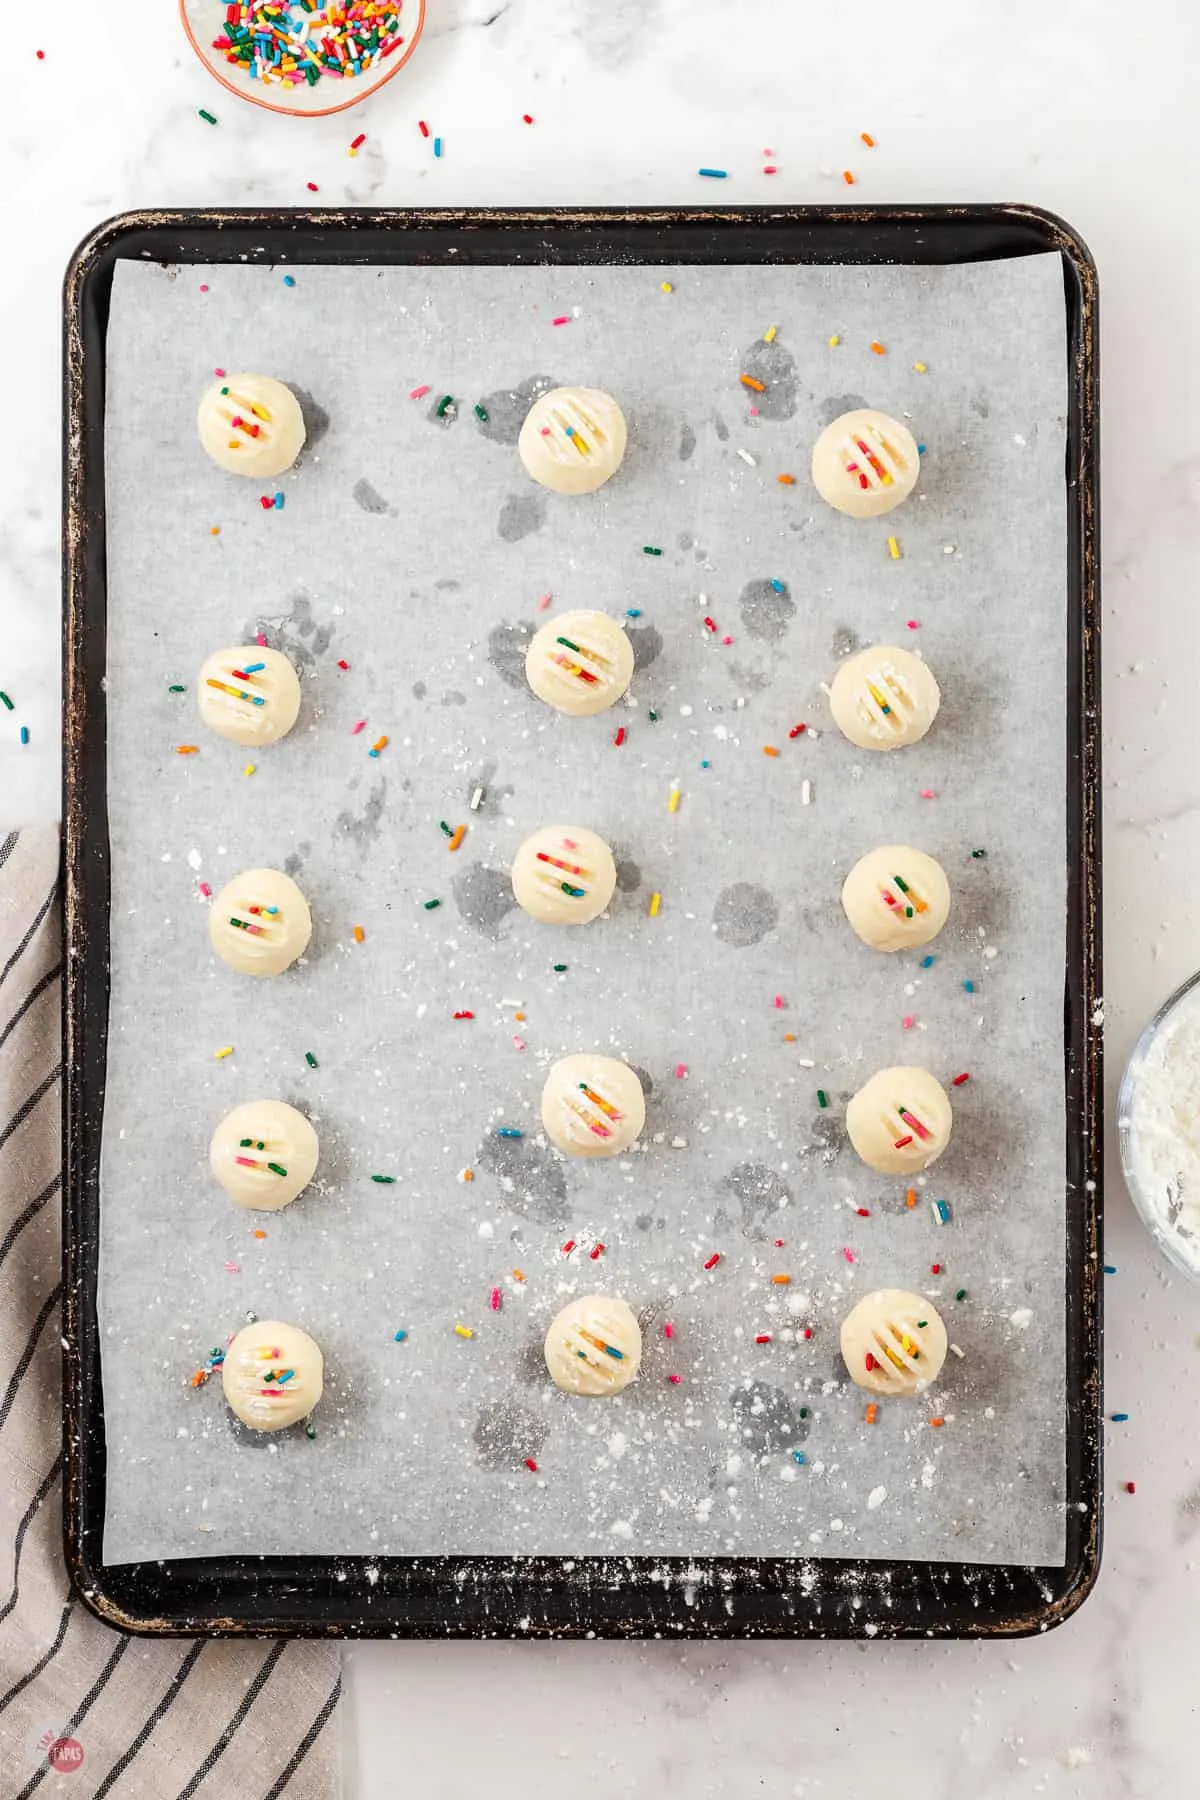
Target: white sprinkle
955	1351
510	1003
679	1143
813	734
876	1498
747	458
806	793
947	549
806	1062
194	859
476	797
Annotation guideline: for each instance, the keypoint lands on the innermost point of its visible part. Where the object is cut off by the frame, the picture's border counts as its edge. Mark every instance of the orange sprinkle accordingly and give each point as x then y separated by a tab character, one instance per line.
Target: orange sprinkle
517	1275
468	1174
260	1234
867	139
872	1413
187	749
199	1378
459	834
214	531
359	934
770	750
519	1017
781	1280
759	387
910	1199
879	349
938	1421
786	480
789	1037
848	178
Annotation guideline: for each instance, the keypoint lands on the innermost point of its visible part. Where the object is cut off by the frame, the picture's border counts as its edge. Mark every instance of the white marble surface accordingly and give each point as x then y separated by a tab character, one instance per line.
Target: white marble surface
1084	106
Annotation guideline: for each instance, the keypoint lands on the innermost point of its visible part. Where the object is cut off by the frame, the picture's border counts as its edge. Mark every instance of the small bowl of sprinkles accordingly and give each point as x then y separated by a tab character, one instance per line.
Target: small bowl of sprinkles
306	57
1158	1127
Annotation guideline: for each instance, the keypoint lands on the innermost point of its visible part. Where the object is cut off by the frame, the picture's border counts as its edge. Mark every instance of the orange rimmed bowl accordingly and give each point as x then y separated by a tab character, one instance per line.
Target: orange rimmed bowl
204	20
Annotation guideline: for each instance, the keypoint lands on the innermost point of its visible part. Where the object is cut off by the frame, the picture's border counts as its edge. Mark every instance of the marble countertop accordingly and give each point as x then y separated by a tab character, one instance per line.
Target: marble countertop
1086	108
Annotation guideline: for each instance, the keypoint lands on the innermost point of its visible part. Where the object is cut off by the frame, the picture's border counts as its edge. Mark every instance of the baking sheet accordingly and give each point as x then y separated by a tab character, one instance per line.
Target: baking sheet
414	549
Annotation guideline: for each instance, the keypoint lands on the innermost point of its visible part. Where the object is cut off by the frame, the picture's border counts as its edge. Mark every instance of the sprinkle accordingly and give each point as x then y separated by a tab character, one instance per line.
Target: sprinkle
928	793
760	387
872	1413
562	319
786	480
894	549
457	836
770	169
527	118
289	281
655	903
1119	1418
674	1380
668	1330
900	1142
978	854
770	333
673	802
680	1071
464	1015
959	1079
927	962
910	1198
357	142
763	1337
781	1280
938	1422
714	174
227	1050
187	749
596	1252
807	1332
968	987
384	1180
848	178
176	689
713	1260
941	1212
24	734
849	1255
529	1462
879	349
1131	1487
806	793
310	1430
770	750
418	393
652	715
620	737
920	368
495	1299
957	1352
650	550
232	1269
518	1275
467	1175
935	1268
961	1294
568	1246
311	1060
822	1098
444	405
430	904
508	1131
399	1337
834	341
797	731
870	1362
208	117
709	624
779	1000
1110	1268
864	1212
312	187
423	128
437	146
249	768
378	745
867	139
798	1456
463	1331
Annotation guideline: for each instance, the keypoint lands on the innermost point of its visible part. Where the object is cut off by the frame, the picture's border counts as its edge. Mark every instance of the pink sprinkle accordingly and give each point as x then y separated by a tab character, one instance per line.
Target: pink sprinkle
674	1380
779	999
204	287
680	1071
355	729
849	1256
205	890
495	1299
767	151
562	319
668	1330
779	1243
232	1269
218	372
544	602
808	1331
770	169
261	640
753	412
727	640
519	1042
913	624
545	431
418	393
908	1021
570	844
928	793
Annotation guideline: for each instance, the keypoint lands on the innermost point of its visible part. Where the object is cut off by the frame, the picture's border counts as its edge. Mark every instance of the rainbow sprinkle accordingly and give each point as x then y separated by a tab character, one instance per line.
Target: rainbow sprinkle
289	42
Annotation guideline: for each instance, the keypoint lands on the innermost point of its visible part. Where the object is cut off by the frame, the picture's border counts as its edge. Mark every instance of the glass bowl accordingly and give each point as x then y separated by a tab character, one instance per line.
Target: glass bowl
1158	1206
204	20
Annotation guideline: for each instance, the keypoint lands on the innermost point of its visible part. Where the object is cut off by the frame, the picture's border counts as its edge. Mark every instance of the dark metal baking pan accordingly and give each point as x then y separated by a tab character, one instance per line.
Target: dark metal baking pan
453	1596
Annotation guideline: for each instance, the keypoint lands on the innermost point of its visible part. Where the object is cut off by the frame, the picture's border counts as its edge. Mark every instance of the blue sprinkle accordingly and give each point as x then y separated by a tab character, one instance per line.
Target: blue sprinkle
289	281
716	174
927	962
943	1212
920	449
278	503
508	1131
285	1377
1110	1268
399	1337
437	146
798	1456
969	987
633	612
24	734
253	668
619	1354
1119	1418
778	586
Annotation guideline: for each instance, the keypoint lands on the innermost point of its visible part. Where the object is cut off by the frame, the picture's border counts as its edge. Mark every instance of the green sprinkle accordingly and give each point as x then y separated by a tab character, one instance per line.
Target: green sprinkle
445	828
277	1169
8	703
961	1294
430	904
481	413
311	1060
560	968
444	405
908	912
804	1412
652	716
177	689
902	885
921	1324
650	550
245	1143
310	1430
569	644
822	1097
384	1180
208	117
978	854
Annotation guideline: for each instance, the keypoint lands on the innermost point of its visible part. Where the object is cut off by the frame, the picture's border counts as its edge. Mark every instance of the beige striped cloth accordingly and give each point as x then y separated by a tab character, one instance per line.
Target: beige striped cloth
88	1712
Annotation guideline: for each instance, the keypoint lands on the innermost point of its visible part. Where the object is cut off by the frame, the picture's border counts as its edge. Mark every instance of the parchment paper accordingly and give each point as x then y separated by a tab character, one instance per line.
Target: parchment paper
416	550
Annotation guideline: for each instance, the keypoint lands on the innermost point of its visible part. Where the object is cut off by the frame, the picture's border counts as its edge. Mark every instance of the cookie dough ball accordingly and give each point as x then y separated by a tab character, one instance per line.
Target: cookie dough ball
249	695
893	1343
272	1374
884	698
896	898
263	1154
251	425
564	875
593	1106
594	1346
581	663
900	1121
865	463
573	440
260	922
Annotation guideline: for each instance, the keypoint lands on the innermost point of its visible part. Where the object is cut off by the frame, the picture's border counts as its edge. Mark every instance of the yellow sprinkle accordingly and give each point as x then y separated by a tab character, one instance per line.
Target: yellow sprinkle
673	802
249	769
835	340
769	334
920	368
359	934
227	1051
260	412
667	288
655	903
893	549
463	1331
234	444
352	152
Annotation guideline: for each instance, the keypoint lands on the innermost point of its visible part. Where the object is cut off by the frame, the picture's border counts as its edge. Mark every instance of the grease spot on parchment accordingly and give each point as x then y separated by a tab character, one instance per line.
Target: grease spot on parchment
743	914
507	645
775	366
647	645
295	859
520	514
844	642
766	1419
368	498
316	419
767	610
755	1193
826	1134
687	443
297	634
452	697
363	828
506	1433
836	404
419	690
629	875
530	1178
506	408
484	898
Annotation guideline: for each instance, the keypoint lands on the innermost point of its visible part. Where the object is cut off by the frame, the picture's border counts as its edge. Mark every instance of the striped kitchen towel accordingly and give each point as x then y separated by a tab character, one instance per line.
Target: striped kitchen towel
86	1711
